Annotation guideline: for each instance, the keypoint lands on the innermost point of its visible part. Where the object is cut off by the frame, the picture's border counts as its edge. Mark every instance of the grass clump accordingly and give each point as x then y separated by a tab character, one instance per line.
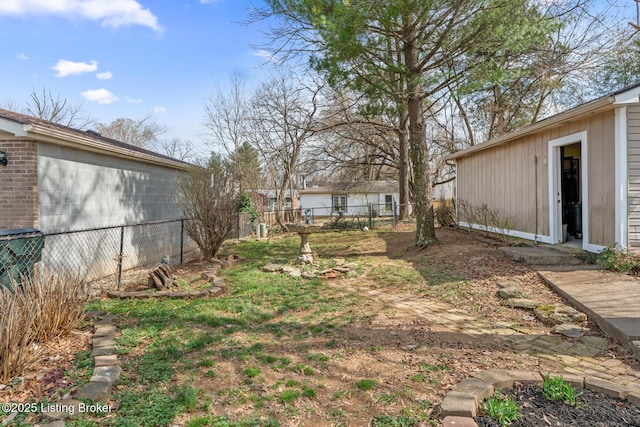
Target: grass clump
502	409
557	388
394	421
365	384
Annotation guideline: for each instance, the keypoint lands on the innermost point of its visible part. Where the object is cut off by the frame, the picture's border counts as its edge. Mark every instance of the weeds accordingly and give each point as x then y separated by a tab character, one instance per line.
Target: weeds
619	260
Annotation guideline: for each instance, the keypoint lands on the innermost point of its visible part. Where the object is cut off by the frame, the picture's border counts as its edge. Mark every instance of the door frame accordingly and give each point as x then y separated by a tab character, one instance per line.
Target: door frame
555	188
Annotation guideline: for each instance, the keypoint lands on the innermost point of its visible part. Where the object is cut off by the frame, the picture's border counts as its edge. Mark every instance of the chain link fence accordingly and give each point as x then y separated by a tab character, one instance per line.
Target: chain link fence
104	253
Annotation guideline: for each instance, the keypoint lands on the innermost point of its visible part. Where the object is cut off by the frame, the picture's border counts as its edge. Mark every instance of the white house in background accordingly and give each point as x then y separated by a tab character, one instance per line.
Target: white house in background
351	198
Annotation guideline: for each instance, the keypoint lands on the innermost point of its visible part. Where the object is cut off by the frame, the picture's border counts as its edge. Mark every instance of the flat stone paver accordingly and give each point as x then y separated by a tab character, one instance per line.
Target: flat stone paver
612	299
95	391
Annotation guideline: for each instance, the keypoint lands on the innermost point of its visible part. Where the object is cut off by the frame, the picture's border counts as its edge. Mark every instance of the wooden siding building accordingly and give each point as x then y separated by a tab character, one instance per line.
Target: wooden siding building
575	175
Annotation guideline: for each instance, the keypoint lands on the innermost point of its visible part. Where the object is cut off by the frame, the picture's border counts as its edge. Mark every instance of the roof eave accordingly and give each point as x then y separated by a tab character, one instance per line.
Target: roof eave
558	119
54	136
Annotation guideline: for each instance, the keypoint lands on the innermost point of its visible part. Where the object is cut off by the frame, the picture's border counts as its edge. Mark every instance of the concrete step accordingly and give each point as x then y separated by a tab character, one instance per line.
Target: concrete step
540	256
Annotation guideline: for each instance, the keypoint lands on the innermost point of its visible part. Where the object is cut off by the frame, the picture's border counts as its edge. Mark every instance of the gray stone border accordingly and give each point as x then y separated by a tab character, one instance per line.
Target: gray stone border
460	405
216	288
106	371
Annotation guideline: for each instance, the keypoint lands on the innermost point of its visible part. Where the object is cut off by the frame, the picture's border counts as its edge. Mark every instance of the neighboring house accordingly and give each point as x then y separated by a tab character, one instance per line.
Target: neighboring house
577	171
58	178
270	196
351	198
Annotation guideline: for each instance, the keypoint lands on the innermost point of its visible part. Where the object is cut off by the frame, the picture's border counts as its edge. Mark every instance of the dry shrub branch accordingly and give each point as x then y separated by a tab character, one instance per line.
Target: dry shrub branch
208	197
42	307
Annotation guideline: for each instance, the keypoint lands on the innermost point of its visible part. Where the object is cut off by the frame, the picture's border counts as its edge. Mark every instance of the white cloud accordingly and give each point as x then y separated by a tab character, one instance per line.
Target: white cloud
104	76
266	55
158	110
69	68
211	1
133	100
101	96
22	56
110	13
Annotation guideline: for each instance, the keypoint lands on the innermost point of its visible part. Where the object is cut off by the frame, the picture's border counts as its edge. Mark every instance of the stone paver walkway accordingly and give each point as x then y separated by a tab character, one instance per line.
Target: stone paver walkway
580	357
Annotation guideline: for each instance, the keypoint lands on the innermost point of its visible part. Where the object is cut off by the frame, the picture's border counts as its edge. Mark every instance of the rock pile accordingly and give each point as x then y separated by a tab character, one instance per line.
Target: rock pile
563	317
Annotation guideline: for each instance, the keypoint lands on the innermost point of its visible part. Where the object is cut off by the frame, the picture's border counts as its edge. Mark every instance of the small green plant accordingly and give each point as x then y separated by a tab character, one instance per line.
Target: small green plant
502	409
365	384
557	388
619	260
252	372
187	397
308	392
288	396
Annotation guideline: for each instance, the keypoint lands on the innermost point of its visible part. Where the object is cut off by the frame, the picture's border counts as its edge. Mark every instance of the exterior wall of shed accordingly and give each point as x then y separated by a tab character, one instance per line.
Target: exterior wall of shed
633	173
506	178
19	185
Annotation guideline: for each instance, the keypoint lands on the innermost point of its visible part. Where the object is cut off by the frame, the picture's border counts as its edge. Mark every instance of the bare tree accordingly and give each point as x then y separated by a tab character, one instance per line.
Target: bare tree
44	105
181	149
226	119
141	133
208	198
283	121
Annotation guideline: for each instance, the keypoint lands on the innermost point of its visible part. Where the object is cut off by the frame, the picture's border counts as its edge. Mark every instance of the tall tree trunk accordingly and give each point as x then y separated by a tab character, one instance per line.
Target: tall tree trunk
404	166
425	222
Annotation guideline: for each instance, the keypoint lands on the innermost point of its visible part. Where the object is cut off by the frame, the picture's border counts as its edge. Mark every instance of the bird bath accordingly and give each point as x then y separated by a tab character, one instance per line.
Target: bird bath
304	230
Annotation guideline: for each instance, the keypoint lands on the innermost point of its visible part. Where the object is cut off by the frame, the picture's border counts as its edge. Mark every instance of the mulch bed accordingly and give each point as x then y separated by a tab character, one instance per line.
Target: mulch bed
592	409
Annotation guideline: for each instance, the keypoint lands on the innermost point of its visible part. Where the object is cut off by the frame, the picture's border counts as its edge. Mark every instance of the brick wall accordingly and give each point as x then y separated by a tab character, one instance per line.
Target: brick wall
19	185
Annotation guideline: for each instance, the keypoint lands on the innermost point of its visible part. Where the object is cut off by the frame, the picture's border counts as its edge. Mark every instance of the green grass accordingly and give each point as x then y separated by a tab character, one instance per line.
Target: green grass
271	340
289	396
394	421
365	384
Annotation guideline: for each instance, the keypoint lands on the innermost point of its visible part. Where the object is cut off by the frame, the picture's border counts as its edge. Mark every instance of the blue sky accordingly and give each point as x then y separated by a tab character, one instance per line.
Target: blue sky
128	58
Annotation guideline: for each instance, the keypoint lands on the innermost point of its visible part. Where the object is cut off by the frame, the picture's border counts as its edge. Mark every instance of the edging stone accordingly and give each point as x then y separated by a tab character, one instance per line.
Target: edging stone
461	404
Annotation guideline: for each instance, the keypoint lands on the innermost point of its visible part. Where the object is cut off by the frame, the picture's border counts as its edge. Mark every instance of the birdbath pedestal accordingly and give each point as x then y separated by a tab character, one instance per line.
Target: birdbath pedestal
304	230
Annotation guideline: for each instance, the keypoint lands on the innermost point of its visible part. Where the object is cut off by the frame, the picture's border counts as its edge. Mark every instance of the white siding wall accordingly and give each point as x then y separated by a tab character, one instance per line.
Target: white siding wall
633	135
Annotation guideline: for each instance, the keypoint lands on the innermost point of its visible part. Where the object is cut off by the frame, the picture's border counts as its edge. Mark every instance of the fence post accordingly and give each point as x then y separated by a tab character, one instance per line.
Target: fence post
370	216
120	256
181	240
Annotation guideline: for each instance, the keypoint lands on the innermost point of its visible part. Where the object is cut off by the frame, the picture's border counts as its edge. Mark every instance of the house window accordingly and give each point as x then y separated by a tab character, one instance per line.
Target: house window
339	202
388	202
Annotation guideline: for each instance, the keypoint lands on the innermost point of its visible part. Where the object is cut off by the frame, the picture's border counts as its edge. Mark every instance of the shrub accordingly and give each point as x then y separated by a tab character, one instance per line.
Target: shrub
446	214
619	260
44	307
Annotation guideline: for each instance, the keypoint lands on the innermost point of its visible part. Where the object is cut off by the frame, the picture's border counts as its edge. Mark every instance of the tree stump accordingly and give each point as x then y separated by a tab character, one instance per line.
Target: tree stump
160	278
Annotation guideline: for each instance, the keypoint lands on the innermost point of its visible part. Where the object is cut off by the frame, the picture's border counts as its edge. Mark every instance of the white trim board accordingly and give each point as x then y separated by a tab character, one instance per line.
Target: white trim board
528	236
621	179
554	169
511	233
